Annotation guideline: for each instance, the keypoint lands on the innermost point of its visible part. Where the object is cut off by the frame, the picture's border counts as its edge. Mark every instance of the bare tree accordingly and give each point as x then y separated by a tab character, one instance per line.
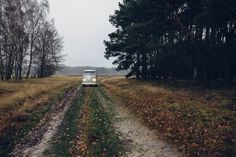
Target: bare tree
48	50
28	38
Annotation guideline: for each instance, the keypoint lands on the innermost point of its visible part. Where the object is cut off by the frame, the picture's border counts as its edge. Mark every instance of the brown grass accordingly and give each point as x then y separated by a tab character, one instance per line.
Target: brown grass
198	121
18	97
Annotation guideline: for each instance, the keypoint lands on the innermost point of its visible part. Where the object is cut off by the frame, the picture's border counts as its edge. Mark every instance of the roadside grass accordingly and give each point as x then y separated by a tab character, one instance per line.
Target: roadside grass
103	140
62	143
18	96
198	121
24	104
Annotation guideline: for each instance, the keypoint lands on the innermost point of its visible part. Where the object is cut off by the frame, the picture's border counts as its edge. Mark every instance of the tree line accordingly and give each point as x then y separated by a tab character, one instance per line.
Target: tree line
79	70
184	39
29	42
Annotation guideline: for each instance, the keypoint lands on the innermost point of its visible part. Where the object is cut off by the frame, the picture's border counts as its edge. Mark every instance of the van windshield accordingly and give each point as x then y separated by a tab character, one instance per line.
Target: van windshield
89	73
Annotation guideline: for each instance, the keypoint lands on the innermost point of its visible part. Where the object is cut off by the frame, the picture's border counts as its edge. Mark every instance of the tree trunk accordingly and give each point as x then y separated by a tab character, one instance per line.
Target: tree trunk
144	65
138	66
30	60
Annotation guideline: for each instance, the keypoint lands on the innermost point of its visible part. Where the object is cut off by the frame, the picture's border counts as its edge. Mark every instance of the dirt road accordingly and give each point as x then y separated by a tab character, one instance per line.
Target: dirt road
88	123
38	139
139	140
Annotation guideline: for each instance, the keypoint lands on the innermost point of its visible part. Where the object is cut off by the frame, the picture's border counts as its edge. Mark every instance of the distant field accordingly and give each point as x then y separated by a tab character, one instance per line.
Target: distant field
200	122
22	104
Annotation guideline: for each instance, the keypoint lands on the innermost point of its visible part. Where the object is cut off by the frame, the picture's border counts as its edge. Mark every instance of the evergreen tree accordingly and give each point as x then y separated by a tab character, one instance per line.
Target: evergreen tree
178	39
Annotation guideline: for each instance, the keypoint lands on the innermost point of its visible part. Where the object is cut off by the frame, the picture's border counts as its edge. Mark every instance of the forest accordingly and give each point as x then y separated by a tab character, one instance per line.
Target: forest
29	42
184	39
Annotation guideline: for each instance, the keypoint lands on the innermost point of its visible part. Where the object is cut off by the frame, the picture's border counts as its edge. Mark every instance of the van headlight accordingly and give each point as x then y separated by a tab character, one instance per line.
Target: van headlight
94	80
84	80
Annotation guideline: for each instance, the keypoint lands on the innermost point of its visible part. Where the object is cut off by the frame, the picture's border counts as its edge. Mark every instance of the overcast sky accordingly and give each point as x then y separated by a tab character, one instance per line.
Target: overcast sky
84	25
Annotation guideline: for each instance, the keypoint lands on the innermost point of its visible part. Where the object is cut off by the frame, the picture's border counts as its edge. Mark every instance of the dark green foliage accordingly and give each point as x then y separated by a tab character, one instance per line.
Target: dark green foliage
175	39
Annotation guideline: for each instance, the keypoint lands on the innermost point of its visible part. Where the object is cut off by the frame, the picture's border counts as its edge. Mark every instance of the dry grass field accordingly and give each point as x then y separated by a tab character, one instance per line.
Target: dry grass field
199	121
22	104
17	97
54	116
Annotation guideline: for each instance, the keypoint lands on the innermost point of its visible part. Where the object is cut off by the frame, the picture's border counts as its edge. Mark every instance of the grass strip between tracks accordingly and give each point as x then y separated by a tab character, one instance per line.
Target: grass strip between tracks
87	129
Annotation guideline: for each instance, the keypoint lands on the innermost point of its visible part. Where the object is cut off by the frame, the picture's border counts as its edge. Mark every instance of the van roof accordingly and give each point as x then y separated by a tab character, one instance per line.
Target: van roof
89	70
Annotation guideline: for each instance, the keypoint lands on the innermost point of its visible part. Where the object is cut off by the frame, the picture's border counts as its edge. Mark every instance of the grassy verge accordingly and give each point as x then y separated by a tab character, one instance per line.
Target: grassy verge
62	145
102	138
22	123
195	120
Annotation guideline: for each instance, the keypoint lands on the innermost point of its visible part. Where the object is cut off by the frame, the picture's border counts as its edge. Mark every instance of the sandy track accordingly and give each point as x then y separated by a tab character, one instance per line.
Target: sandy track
139	140
38	141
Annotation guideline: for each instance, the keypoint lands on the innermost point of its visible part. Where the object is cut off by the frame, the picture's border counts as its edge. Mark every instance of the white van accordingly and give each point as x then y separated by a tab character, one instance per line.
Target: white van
89	78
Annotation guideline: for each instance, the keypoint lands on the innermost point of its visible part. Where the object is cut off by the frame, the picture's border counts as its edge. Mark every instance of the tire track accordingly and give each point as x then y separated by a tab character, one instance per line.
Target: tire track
138	139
